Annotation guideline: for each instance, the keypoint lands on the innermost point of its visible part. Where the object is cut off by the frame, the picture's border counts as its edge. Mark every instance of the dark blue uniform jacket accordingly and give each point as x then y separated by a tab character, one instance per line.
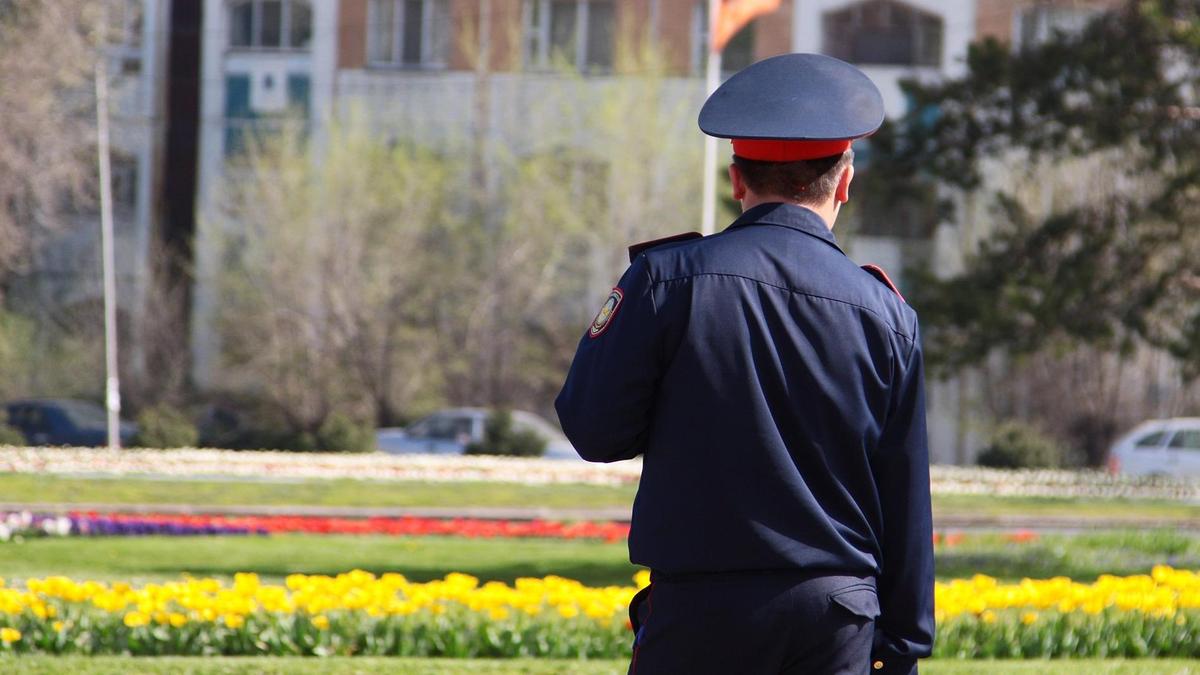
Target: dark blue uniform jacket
775	391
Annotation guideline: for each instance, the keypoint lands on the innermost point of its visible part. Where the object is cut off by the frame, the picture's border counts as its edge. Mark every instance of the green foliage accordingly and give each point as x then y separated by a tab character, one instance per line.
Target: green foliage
507	244
1080	557
48	360
34	664
1110	271
501	438
10	435
341	433
1014	445
1009	634
162	426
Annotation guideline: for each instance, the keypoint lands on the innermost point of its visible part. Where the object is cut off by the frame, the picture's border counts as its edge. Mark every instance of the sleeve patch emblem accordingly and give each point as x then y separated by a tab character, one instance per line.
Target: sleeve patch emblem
604	317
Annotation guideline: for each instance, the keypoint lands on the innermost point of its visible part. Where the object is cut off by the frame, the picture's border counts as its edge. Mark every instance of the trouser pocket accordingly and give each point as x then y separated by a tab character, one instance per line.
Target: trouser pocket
639	610
860	600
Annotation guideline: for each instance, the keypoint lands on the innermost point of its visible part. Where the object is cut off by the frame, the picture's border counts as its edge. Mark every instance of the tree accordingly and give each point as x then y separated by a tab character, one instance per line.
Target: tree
47	135
1113	271
1083	159
386	277
544	246
326	298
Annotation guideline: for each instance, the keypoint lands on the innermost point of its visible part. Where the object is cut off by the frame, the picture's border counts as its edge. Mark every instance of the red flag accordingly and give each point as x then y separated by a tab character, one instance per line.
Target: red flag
734	15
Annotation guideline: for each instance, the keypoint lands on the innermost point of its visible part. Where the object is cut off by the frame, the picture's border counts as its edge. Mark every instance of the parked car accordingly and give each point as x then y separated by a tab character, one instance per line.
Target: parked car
64	422
1159	448
449	432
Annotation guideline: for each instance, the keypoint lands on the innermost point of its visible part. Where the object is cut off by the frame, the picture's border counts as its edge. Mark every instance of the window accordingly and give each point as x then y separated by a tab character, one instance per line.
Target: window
408	32
124	181
443	427
124	20
246	118
1153	440
1187	439
884	32
1038	25
270	24
577	33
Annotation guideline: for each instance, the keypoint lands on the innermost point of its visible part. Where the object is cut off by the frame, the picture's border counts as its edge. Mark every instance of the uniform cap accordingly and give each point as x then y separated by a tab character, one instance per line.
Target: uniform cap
792	107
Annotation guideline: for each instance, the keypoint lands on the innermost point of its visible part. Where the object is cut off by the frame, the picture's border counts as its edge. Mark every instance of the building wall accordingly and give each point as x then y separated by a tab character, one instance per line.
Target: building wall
352	36
997	18
773	33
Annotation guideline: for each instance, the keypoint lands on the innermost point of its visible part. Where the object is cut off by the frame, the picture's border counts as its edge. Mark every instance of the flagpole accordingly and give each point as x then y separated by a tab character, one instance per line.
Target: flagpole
712	79
112	383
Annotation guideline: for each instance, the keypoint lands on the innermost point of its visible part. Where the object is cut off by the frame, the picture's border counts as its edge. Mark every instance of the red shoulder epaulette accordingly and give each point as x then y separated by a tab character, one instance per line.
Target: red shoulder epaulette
637	249
877	272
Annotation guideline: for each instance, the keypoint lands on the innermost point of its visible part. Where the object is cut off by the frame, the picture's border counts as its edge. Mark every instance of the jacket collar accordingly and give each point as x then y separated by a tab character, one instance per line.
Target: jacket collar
790	216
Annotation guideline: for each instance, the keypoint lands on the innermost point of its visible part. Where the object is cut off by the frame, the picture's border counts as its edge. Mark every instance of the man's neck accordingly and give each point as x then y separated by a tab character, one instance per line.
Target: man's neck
827	211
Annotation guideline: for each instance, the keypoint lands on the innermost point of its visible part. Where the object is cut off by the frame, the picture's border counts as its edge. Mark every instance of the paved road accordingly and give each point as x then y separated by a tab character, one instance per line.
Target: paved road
941	522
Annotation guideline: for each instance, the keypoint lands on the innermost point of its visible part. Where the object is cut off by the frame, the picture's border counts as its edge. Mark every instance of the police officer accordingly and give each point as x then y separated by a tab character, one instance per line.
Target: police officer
775	392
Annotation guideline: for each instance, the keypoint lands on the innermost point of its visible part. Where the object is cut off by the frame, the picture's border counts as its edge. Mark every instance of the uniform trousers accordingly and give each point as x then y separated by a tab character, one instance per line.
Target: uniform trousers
765	623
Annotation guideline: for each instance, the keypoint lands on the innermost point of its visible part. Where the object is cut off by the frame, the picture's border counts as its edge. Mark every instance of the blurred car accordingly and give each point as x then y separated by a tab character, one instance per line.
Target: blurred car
1168	447
64	422
449	432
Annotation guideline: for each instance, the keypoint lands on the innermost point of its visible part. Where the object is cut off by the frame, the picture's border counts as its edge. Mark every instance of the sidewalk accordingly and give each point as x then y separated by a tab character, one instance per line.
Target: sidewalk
941	521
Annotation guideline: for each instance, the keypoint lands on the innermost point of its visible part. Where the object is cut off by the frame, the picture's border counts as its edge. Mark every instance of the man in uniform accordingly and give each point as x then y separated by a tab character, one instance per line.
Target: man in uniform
775	392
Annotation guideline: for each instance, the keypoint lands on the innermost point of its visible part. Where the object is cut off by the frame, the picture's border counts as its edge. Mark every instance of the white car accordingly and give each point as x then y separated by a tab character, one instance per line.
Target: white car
1159	448
449	432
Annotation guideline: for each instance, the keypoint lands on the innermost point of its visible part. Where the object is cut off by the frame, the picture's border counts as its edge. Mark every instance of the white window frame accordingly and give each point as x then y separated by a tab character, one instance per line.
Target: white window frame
536	52
124	44
1046	21
428	59
285	26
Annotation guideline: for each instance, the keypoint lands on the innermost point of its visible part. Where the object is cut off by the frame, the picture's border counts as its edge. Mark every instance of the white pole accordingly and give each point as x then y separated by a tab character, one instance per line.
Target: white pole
112	389
712	78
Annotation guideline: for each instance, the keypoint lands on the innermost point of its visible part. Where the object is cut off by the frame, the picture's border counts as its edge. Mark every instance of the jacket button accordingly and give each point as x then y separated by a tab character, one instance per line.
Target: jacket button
878	665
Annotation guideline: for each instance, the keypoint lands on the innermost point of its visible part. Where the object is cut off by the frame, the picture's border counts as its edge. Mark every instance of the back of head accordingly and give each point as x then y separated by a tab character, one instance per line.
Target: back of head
810	182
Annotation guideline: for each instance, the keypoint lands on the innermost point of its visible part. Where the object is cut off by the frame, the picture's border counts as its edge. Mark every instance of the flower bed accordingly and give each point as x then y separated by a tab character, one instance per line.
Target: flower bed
360	613
1143	615
1058	483
26	524
193	464
218	464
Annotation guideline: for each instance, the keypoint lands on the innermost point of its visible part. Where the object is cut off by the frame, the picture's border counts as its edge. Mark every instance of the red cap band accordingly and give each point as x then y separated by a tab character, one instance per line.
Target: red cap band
787	151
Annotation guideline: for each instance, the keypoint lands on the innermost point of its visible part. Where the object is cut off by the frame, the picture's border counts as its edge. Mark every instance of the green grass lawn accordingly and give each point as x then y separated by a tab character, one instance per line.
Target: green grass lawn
115	665
1082	557
418	558
29	488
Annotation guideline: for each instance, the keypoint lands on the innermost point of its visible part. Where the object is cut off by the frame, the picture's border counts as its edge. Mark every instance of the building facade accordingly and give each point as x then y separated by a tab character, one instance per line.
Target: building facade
448	71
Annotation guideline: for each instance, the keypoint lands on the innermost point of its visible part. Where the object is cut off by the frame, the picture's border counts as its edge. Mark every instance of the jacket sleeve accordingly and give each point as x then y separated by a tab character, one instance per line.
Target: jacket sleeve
605	404
905	628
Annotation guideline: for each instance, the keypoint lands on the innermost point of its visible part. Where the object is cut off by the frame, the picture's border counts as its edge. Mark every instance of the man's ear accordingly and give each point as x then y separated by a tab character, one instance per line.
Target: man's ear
842	194
739	184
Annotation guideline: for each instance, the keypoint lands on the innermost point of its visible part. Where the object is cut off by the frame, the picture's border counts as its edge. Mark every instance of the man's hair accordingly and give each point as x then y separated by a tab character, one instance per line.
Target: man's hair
809	181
